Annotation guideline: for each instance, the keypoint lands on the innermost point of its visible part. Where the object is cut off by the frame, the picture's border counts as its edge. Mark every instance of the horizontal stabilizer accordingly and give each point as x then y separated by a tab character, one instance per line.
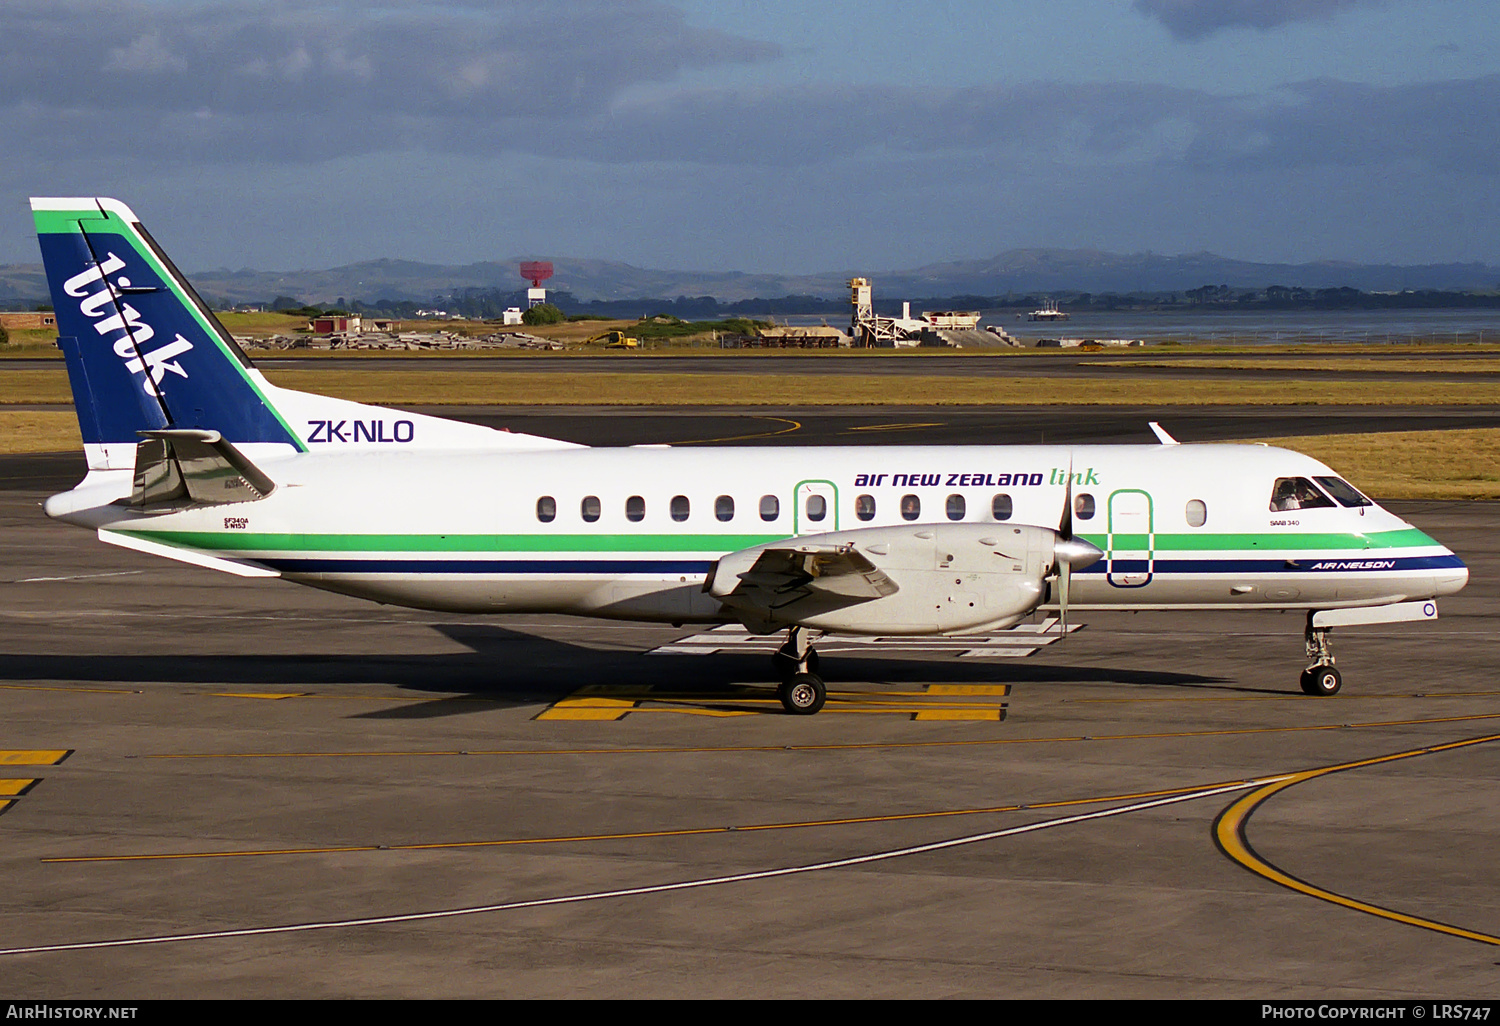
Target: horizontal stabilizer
177	464
127	540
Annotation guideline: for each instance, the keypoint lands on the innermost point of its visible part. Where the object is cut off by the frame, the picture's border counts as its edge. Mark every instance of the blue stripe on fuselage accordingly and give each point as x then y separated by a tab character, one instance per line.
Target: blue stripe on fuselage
375	565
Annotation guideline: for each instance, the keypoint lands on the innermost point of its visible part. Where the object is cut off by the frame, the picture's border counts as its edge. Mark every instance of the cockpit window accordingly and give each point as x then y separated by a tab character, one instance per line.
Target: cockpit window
1296	493
1343	491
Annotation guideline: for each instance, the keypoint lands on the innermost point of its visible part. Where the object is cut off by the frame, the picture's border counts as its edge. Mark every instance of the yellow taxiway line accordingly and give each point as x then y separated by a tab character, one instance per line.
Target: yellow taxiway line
1229	834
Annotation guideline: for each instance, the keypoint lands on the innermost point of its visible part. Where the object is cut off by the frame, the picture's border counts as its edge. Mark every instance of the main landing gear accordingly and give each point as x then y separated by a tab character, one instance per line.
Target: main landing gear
801	692
1320	678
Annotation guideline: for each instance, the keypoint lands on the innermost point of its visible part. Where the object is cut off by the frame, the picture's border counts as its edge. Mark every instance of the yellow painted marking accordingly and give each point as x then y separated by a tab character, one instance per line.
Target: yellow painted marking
832	747
50	687
1229	833
613	703
33	756
893	427
6	803
795	426
269	695
587	709
695	711
16	785
642	834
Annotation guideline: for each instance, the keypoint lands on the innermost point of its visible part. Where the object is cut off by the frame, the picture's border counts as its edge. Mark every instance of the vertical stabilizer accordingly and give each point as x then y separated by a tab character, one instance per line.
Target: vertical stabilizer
143	351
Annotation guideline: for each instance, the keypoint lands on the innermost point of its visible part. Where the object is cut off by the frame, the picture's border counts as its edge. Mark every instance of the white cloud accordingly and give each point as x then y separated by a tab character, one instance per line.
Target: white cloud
144	54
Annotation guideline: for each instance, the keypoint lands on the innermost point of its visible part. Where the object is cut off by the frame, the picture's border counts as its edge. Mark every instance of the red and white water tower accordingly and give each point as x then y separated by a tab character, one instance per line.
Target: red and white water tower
536	272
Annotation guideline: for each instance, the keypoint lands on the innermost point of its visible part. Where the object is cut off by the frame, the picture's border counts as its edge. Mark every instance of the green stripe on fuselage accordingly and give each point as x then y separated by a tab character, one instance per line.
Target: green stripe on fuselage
245	542
239	541
1404	539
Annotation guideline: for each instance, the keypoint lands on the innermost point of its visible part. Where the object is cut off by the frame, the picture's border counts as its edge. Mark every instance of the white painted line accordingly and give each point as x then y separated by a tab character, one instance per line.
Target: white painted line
78	577
626	892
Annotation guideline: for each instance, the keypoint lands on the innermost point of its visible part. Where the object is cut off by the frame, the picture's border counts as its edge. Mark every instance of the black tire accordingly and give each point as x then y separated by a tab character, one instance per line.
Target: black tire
1322	681
803	695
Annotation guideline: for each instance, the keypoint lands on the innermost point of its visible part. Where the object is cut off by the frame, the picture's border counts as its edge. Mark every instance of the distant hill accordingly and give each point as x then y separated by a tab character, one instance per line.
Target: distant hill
1016	271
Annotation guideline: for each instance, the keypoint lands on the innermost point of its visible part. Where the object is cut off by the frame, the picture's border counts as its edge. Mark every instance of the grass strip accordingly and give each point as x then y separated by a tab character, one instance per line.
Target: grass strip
38	431
1394	365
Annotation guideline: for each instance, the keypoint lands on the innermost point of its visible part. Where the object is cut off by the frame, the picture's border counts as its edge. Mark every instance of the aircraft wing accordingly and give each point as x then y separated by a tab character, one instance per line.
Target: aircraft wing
791	573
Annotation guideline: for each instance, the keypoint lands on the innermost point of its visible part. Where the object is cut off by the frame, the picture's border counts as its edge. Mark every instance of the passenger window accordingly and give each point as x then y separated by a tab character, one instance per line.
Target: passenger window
770	507
956	506
1083	506
1001	507
635	509
911	507
864	507
724	508
546	509
1197	513
1343	491
1296	493
679	508
589	508
816	507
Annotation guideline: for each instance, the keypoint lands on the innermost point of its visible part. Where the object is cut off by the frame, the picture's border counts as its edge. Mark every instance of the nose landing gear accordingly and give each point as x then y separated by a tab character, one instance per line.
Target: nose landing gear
1320	678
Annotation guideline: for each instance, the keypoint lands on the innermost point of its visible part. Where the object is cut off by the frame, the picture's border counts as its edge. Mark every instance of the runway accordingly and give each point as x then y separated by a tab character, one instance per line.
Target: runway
230	788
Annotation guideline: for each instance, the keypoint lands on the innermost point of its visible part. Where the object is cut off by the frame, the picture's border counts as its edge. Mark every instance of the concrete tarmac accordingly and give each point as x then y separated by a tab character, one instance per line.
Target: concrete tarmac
242	788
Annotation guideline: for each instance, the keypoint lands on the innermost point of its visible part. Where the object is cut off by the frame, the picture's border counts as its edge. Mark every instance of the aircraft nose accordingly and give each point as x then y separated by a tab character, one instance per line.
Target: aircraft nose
1452	577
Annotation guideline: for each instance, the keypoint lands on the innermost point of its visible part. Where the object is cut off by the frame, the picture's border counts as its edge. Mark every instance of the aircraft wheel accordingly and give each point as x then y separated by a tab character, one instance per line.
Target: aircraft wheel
1321	680
802	695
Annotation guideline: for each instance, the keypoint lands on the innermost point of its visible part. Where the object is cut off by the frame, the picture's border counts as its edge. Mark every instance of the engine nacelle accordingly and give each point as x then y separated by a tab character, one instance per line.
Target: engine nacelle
914	579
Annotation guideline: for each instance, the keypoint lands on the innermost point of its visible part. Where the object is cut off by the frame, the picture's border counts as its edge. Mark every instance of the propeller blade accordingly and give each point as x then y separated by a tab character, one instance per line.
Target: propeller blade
1064	574
1065	524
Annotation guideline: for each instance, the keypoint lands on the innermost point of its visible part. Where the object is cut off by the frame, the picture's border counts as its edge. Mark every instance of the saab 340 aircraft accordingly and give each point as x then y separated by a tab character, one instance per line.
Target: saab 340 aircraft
195	456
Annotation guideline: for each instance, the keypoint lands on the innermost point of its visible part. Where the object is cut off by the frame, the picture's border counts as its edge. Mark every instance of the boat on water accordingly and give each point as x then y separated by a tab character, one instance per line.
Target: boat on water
1047	312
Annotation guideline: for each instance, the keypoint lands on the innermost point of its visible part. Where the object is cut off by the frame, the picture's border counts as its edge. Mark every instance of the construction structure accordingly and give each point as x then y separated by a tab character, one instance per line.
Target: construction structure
949	328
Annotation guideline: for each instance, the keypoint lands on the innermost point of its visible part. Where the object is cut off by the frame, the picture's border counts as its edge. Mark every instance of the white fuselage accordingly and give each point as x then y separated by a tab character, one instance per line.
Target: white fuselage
635	532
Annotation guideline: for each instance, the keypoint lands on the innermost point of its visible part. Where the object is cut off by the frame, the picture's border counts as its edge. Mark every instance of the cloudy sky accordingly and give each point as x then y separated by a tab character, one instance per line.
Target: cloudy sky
760	135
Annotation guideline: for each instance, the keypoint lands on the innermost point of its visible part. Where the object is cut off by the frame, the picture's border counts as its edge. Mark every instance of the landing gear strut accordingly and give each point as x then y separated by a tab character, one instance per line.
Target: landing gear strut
801	692
1320	678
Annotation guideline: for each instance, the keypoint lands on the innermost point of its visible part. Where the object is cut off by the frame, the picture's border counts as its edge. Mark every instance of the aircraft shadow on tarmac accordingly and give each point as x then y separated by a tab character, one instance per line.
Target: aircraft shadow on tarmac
511	668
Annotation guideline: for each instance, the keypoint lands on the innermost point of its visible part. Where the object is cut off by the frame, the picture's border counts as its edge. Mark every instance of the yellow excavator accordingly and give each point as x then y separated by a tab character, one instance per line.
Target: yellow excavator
613	340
